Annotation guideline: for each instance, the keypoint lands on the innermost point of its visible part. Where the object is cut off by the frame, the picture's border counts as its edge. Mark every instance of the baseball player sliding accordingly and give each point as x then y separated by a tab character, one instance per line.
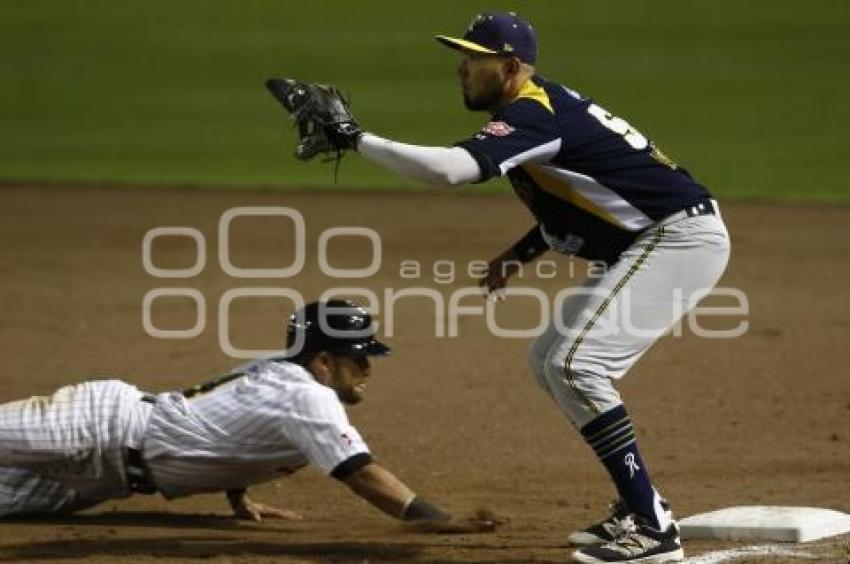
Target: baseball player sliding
102	440
598	189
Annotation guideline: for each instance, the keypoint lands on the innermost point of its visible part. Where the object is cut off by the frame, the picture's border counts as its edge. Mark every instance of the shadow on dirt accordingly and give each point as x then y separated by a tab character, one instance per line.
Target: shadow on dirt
182	536
205	547
152	519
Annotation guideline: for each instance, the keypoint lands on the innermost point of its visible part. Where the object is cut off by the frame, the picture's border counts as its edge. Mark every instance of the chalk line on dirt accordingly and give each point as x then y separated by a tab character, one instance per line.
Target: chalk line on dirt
718	556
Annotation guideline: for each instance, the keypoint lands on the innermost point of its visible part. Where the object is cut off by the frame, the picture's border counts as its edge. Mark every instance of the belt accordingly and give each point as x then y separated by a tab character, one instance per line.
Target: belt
703	207
138	475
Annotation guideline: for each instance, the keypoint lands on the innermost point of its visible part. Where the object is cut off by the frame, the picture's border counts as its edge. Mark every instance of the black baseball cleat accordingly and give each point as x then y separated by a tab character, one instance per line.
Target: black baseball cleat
608	529
638	542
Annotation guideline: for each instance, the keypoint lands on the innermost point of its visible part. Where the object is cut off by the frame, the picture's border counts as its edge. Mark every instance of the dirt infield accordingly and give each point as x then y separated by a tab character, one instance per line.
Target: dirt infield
758	419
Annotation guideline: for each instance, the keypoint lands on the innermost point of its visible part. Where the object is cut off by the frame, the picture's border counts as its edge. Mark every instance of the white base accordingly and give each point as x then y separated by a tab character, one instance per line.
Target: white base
786	524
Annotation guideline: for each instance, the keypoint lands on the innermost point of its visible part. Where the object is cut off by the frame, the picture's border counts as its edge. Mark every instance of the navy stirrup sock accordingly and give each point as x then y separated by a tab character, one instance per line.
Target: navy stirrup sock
612	437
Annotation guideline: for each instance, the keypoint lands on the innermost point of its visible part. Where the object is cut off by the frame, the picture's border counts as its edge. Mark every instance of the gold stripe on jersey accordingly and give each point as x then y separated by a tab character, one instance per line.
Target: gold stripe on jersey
659	156
537	93
562	189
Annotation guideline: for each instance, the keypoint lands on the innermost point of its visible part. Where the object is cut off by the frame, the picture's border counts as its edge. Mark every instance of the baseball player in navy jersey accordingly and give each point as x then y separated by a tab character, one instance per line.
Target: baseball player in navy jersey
599	189
106	439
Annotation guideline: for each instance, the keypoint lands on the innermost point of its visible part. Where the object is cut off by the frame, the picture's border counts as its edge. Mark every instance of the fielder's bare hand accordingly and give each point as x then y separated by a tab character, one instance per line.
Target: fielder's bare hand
499	270
246	509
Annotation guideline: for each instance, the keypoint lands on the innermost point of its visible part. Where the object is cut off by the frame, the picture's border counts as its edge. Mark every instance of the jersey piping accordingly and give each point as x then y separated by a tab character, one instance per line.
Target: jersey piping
584	192
534	92
542	153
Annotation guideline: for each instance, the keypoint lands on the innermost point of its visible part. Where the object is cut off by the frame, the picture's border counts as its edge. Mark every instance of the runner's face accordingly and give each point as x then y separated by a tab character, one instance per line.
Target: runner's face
348	377
483	80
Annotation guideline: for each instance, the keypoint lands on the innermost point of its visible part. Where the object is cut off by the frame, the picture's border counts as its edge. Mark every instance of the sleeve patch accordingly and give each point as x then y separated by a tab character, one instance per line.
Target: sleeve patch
498	129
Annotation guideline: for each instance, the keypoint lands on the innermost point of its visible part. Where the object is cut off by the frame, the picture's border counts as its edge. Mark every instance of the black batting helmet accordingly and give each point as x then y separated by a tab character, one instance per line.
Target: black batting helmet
337	326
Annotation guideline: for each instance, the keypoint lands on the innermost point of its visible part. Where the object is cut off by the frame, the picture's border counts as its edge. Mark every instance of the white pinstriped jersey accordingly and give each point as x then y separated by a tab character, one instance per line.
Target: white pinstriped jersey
268	423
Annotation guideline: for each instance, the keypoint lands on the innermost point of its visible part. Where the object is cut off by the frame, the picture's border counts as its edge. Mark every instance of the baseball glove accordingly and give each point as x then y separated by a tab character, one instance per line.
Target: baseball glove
322	114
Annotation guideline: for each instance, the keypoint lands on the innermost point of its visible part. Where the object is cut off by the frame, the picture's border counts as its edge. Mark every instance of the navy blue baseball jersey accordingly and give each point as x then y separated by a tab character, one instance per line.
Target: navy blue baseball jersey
592	181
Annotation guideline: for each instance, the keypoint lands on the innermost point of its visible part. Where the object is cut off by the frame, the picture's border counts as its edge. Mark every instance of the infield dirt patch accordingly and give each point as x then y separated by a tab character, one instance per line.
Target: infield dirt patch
758	419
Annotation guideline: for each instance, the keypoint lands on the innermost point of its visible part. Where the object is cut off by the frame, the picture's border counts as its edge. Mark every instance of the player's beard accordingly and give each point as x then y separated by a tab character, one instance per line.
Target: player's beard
346	390
488	97
349	396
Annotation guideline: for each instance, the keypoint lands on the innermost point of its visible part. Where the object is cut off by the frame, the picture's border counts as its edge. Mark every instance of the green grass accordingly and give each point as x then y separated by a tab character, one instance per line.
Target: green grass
751	96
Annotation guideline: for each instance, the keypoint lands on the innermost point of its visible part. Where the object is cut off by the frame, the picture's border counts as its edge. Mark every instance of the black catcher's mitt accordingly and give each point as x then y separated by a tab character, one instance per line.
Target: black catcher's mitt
322	114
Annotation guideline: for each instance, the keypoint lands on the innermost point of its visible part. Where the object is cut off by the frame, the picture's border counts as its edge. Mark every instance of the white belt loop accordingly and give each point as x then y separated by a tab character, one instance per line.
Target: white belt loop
689	211
716	209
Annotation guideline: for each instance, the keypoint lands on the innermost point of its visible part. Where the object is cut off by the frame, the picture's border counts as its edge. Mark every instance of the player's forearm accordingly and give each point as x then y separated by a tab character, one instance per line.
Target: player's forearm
531	246
436	165
382	489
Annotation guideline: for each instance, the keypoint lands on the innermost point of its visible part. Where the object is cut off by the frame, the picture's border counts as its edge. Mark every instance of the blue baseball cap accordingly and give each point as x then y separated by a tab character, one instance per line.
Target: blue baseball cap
497	33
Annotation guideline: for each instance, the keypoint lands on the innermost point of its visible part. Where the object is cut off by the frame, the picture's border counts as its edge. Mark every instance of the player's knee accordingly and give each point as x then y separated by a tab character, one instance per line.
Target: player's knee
571	373
591	390
536	358
554	365
537	364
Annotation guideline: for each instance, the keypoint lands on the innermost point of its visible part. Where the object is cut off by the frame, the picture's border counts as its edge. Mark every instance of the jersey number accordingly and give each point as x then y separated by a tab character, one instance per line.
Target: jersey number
631	135
619	126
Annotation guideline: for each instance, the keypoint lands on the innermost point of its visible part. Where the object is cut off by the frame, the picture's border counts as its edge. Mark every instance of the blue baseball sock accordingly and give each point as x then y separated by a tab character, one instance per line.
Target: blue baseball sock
613	439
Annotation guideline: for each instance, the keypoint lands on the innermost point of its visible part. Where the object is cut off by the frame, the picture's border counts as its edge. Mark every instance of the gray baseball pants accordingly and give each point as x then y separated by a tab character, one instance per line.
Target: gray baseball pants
606	324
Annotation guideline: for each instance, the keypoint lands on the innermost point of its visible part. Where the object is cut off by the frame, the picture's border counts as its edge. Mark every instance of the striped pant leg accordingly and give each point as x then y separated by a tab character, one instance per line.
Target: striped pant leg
65	451
46	430
539	353
585	389
537	357
24	491
619	316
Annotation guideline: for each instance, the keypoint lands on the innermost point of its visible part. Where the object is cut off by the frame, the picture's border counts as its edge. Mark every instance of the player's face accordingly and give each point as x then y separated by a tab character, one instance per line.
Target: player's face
483	78
348	377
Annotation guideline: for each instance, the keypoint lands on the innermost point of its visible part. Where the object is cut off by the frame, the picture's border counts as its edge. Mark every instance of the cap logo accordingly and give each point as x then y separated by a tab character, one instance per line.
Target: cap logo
480	18
508	48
